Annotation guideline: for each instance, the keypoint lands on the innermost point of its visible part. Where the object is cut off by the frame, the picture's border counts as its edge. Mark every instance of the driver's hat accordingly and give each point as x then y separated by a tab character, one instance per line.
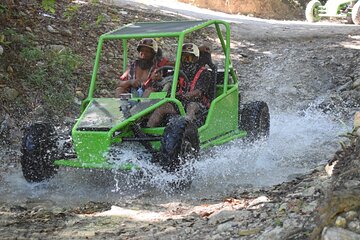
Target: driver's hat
190	48
148	42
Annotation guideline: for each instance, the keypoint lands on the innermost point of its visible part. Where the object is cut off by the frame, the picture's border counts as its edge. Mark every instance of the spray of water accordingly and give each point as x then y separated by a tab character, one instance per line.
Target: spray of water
298	142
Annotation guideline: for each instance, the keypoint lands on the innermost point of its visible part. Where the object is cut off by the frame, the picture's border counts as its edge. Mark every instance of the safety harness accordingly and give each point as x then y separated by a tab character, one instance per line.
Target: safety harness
131	74
163	62
183	86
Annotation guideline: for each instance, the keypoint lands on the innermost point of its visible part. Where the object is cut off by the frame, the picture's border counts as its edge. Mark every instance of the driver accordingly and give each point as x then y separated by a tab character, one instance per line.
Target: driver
193	92
142	69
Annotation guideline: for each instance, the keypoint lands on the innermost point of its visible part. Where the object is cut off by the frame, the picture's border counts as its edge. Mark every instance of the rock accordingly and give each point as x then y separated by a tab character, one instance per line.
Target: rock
28	29
222	216
333	233
354	226
340	222
357	120
106	17
283	207
356	84
39	111
216	237
273	234
228	215
57	48
309	192
352	184
293	223
258	201
357	132
310	207
225	227
4	123
345	86
66	32
169	230
249	232
80	94
1	50
10	70
329	168
105	92
10	94
51	29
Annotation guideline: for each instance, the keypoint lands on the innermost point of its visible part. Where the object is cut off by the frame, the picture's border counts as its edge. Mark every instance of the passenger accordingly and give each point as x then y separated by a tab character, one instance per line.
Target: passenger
193	92
142	69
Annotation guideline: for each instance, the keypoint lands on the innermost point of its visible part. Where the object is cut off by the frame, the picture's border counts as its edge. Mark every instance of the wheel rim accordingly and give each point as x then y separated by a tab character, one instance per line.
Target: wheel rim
312	11
316	12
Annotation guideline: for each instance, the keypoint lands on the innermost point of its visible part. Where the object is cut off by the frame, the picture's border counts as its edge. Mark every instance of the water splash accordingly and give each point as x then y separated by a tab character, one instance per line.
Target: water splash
298	142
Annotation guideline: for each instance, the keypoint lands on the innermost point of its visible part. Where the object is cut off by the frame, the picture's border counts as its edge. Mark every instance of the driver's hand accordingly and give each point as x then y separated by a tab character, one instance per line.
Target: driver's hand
156	76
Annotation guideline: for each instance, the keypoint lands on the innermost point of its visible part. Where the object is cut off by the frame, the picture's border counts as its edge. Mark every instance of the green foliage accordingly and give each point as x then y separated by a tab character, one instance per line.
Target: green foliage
10	36
48	5
3	40
31	54
85	26
71	11
99	19
66	59
278	222
3	8
50	76
9	32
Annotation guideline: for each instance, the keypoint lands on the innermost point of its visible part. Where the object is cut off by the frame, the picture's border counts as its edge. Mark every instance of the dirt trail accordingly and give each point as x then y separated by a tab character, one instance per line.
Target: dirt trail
245	27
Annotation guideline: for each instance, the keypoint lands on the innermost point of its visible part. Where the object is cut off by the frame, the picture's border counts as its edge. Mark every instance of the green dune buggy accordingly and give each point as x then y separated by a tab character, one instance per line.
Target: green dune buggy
342	9
106	123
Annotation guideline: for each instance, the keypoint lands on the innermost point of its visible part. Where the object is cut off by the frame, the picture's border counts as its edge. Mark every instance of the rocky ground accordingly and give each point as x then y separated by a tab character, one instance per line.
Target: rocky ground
299	69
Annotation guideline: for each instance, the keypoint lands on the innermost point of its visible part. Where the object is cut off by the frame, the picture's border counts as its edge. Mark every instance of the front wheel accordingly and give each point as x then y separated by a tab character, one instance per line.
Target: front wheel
39	150
255	120
179	147
355	13
312	11
180	143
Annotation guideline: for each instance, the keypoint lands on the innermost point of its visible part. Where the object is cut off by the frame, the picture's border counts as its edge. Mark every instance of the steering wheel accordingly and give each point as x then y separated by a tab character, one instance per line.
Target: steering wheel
165	84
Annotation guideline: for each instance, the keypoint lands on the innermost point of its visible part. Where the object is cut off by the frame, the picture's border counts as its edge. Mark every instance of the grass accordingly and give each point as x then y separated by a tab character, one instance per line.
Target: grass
50	74
71	11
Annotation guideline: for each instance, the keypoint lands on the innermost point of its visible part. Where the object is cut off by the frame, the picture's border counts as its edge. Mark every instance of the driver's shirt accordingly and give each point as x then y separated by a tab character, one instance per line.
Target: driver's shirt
202	82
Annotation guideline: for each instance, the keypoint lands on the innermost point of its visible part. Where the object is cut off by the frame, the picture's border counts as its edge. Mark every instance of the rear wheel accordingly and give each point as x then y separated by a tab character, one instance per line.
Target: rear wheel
39	150
255	120
355	13
312	11
179	147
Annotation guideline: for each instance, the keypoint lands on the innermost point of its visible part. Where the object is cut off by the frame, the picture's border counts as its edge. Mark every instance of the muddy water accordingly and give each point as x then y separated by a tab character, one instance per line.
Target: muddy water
298	142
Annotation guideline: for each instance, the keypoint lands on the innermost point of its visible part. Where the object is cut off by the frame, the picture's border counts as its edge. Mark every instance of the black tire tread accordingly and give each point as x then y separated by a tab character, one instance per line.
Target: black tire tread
176	132
38	152
251	116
